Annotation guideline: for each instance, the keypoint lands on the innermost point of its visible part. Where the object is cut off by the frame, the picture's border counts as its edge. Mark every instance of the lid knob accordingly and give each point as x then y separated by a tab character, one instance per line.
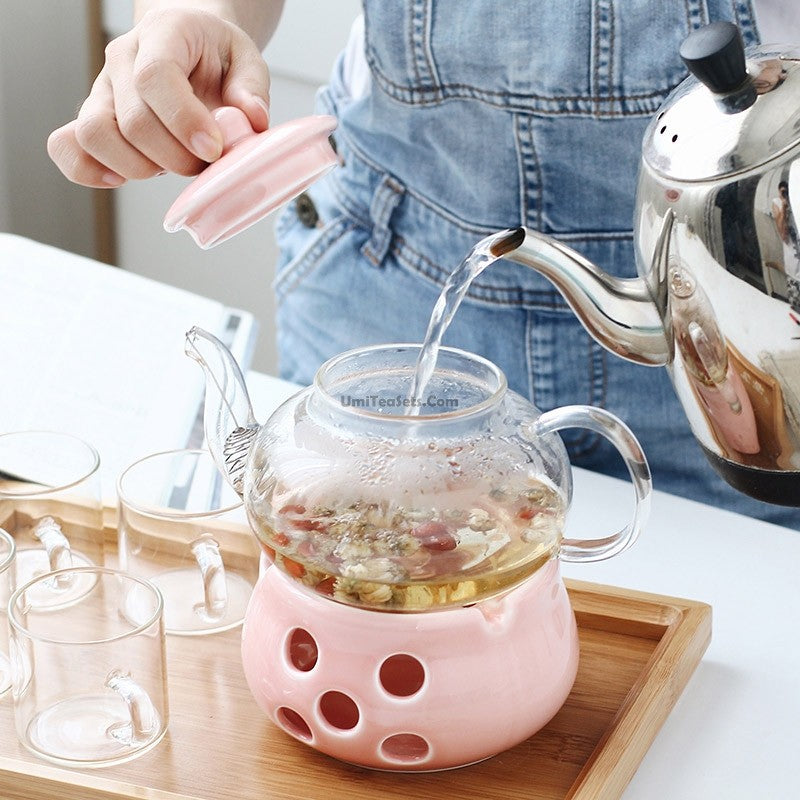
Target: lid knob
714	54
234	125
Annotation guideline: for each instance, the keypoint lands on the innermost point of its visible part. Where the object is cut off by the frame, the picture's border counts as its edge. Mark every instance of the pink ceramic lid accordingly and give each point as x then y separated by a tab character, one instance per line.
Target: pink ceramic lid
257	173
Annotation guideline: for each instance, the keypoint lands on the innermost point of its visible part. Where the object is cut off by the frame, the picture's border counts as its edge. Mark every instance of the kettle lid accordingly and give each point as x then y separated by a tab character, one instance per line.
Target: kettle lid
738	110
256	174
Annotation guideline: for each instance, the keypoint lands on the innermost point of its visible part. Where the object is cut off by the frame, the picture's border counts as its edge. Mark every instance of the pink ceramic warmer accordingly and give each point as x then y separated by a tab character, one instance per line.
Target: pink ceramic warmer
413	616
411	691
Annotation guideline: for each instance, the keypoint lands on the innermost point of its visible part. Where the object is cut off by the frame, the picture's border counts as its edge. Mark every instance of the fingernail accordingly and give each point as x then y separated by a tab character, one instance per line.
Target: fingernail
112	179
205	146
262	104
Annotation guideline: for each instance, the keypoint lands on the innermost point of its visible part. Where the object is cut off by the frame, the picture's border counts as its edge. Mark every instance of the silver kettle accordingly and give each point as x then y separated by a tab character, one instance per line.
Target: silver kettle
717	242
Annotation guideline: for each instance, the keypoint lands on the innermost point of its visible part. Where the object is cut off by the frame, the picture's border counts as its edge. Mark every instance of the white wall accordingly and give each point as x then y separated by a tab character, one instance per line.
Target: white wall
240	271
44	75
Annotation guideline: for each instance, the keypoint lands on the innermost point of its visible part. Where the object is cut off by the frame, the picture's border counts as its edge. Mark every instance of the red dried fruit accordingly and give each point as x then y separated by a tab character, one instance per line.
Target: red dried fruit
292	508
305	549
270	553
527	513
293	568
326	586
434	536
281	539
308	524
449	563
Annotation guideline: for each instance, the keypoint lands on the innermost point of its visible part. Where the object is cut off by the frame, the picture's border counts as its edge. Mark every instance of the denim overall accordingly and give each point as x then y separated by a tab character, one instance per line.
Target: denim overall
483	116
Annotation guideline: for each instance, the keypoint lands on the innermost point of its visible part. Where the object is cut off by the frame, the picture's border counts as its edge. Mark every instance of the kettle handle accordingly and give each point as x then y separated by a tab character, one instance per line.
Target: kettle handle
617	432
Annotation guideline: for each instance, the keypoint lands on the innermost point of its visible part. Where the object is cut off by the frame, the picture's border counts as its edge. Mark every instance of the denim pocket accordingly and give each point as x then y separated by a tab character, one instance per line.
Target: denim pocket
302	249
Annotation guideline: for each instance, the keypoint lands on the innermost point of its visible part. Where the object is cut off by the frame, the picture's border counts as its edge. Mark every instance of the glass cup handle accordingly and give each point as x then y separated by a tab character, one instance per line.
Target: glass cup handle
617	432
56	545
144	719
215	589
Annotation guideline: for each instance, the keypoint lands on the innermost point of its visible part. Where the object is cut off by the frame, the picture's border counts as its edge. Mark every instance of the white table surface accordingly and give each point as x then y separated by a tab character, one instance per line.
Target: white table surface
735	731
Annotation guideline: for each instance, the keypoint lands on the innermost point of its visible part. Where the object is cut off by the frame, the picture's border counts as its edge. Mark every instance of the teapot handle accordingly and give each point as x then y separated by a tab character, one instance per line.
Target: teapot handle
617	432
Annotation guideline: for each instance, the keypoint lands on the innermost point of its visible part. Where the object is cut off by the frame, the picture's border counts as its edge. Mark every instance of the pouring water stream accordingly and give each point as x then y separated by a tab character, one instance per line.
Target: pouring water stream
484	253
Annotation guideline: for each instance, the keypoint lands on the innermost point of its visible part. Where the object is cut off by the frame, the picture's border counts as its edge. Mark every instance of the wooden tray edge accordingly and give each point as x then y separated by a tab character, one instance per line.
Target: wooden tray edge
650	700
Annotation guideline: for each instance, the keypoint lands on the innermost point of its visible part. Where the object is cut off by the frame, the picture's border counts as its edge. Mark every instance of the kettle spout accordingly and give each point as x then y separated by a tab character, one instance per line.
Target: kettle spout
622	314
230	426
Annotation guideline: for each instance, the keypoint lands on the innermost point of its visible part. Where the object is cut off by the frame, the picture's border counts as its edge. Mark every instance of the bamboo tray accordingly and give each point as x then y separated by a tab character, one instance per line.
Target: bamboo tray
637	654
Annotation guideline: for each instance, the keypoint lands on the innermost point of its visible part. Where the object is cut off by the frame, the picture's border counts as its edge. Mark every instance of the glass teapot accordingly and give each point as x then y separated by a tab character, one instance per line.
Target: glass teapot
378	500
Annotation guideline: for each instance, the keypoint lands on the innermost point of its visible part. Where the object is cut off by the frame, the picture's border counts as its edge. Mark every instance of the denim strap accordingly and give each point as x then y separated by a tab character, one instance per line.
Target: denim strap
385	200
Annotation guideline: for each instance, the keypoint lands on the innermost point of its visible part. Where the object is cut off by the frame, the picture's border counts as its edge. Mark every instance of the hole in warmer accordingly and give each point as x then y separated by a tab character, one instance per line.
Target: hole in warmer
402	675
303	652
405	748
293	723
675	138
339	710
663	130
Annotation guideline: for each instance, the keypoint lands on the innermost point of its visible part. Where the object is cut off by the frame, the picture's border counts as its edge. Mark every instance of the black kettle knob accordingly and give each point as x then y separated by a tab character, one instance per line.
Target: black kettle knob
714	54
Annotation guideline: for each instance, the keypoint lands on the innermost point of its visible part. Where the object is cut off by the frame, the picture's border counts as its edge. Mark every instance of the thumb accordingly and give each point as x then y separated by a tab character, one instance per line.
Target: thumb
246	86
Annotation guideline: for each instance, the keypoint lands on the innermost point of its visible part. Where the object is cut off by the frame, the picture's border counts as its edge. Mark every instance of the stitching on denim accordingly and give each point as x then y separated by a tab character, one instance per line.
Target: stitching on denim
533	182
306	261
636	104
603	52
522	188
466	87
612	44
420	46
426	43
745	19
539	187
412	32
388	195
594	79
696	14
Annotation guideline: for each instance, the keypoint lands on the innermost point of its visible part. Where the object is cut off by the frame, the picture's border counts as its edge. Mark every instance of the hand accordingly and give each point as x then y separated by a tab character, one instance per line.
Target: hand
149	108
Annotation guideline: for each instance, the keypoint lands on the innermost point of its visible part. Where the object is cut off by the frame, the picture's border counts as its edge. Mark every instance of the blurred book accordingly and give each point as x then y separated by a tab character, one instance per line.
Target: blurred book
96	351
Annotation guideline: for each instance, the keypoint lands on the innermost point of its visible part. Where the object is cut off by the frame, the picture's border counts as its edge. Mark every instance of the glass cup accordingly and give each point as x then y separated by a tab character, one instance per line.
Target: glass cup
50	503
182	527
7	550
89	679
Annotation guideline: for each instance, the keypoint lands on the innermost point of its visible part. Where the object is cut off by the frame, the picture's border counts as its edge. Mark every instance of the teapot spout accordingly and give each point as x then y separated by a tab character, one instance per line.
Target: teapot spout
230	426
622	314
